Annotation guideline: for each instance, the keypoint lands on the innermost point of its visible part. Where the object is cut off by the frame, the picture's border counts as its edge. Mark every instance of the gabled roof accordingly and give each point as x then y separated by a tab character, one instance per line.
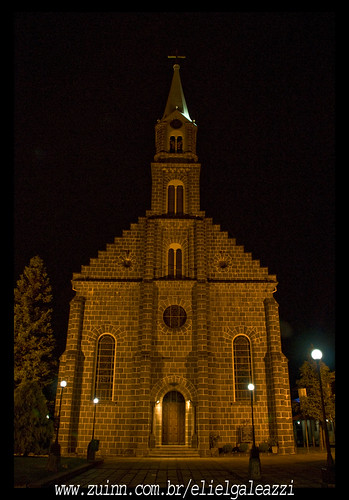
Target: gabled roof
176	99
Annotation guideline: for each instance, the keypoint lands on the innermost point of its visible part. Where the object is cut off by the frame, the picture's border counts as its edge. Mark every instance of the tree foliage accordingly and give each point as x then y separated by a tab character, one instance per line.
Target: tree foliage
32	429
33	337
310	404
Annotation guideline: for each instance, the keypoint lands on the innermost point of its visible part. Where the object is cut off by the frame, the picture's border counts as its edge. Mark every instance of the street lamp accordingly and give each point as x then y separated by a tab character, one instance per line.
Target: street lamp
93	445
251	389
328	475
95	402
55	448
62	384
254	466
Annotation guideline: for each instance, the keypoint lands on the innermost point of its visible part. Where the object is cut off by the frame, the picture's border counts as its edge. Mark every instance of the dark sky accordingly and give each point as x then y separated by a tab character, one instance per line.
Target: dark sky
89	88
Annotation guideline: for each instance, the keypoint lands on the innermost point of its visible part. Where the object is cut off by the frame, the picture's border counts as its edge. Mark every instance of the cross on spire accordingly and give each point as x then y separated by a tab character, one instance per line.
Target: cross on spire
176	56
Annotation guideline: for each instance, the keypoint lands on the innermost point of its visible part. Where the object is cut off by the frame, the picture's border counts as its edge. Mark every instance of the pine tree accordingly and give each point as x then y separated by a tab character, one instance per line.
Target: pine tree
33	337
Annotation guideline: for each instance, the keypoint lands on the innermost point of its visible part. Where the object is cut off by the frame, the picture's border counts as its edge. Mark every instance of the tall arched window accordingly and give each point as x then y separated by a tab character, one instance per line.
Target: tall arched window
178	270
175	197
105	368
242	367
175	269
171	193
179	199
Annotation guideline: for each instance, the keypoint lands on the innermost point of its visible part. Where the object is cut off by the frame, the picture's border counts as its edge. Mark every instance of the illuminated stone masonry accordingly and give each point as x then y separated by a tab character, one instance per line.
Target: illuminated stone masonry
170	323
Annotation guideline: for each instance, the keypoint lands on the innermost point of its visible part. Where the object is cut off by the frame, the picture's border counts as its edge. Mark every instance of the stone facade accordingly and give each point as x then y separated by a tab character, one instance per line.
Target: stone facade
172	294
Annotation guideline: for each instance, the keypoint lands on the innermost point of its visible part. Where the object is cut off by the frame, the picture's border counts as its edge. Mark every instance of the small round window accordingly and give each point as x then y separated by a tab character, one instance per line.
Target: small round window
175	316
176	123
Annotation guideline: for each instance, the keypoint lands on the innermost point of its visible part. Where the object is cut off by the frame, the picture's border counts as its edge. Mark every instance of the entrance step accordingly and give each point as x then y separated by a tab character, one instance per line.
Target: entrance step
173	452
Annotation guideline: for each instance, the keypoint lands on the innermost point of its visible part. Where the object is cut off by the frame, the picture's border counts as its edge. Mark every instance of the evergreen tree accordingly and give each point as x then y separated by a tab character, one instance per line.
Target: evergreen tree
33	338
33	431
310	404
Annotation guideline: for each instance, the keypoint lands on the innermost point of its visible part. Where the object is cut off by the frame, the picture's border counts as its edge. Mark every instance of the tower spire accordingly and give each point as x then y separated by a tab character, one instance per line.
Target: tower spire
176	99
175	133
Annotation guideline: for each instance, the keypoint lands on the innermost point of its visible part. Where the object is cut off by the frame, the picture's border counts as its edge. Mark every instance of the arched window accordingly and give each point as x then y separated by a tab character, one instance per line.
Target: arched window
179	199
176	144
178	270
171	193
175	197
171	262
175	269
172	144
242	367
105	368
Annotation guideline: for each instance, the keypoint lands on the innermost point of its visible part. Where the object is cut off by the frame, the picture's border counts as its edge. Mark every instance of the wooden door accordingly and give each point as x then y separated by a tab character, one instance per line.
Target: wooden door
173	418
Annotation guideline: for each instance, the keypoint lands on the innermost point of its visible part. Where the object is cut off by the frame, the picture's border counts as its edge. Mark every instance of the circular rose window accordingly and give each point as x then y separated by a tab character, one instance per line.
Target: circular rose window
175	316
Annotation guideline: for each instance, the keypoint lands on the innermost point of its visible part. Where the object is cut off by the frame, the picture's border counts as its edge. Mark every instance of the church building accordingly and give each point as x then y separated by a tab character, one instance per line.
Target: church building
170	323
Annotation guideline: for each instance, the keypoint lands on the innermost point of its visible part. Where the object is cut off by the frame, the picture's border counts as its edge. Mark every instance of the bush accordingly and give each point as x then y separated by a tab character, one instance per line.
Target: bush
227	448
243	447
33	430
263	447
214	438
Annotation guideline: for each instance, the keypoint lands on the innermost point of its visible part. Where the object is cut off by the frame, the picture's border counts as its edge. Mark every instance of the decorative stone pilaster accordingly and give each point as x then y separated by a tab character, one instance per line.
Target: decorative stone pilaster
71	370
279	401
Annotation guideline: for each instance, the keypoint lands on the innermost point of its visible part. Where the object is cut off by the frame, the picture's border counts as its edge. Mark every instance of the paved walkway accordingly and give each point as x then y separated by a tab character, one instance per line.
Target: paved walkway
201	476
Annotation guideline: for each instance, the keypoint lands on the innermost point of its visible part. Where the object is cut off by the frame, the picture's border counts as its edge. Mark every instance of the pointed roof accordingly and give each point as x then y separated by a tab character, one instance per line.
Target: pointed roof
176	99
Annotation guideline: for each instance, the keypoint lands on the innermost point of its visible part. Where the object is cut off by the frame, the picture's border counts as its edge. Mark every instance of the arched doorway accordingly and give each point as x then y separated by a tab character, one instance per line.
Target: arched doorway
173	418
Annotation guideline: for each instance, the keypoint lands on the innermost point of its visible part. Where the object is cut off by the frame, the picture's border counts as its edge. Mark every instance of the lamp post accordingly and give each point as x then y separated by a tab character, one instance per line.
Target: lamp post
62	384
93	445
95	401
55	448
254	466
328	473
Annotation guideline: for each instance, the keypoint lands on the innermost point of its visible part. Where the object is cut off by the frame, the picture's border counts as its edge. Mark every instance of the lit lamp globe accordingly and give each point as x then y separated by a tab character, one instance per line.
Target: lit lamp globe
316	354
96	400
63	383
250	387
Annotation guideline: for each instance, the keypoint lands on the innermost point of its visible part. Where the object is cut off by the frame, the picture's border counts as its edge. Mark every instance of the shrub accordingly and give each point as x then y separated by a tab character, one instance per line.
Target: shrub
214	438
263	447
243	447
227	448
33	430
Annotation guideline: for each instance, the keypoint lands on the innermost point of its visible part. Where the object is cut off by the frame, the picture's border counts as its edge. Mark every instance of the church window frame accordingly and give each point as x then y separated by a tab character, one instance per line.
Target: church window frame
176	144
174	316
103	387
175	261
175	197
242	368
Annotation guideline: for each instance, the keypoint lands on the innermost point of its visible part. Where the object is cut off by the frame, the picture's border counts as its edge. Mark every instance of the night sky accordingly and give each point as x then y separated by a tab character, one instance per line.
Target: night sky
89	88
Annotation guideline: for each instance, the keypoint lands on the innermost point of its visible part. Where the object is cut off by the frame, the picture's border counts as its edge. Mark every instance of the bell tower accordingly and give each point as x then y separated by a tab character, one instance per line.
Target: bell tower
175	133
175	171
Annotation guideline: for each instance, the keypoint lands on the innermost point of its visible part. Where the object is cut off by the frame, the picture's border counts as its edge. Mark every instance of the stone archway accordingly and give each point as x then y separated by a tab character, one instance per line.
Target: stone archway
182	410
